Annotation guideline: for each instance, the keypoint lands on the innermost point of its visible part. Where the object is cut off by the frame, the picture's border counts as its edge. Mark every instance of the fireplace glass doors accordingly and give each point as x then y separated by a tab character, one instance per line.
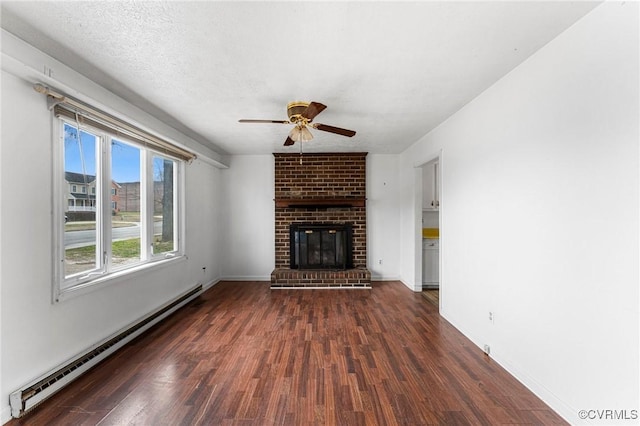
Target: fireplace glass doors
321	246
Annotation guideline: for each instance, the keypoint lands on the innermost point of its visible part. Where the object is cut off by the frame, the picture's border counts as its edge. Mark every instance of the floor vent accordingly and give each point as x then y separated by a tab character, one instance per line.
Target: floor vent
25	399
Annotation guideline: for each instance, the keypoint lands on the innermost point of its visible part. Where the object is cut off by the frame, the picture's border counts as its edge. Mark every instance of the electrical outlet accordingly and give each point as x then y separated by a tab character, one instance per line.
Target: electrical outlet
492	317
487	349
380	262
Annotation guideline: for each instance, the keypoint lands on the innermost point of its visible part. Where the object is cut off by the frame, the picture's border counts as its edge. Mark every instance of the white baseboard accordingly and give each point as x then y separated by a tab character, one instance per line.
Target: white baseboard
247	278
410	287
384	278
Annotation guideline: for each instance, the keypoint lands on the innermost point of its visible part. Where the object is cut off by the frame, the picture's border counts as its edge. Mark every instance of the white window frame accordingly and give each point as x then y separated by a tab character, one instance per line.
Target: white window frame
64	287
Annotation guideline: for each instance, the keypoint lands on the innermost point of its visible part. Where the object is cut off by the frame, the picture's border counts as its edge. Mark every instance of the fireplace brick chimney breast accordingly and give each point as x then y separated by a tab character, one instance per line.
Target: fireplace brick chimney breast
328	188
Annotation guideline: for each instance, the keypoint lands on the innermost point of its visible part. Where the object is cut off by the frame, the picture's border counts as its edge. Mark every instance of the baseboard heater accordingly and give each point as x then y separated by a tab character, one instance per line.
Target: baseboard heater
32	394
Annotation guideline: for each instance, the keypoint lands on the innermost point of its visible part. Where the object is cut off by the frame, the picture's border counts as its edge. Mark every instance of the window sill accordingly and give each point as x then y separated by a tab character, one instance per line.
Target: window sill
114	278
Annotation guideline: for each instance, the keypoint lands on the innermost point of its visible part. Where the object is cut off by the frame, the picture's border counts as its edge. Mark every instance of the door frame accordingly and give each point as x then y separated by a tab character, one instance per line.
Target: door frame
418	191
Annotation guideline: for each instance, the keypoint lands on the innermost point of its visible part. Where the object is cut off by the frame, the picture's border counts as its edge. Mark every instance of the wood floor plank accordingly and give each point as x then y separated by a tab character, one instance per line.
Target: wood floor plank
242	354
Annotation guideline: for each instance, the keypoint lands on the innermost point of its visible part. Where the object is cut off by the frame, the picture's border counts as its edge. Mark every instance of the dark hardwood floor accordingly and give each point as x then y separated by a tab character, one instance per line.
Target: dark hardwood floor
432	295
243	354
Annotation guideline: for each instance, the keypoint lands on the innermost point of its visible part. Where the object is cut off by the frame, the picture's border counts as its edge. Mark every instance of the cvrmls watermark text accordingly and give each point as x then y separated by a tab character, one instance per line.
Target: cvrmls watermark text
606	414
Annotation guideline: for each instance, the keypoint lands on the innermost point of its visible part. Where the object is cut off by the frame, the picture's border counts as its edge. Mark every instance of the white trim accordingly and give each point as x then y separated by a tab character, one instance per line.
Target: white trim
146	204
385	278
418	181
247	278
410	287
57	217
211	162
182	208
103	210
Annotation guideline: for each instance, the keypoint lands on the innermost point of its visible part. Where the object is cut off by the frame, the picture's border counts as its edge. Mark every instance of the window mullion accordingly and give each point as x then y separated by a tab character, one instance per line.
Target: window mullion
177	207
103	195
59	205
146	198
150	206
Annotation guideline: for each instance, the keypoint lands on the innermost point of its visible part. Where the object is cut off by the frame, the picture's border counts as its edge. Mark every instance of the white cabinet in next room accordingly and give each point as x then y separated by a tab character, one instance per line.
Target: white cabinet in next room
430	184
430	262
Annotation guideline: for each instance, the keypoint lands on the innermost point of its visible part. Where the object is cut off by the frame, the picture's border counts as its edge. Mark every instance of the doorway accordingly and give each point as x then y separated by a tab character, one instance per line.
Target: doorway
430	258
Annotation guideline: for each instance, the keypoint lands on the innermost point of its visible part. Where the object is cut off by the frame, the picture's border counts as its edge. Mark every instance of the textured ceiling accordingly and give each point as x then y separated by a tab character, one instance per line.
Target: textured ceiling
390	71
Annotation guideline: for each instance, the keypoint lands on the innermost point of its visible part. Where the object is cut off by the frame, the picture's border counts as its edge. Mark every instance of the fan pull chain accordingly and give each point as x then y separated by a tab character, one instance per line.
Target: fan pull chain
300	152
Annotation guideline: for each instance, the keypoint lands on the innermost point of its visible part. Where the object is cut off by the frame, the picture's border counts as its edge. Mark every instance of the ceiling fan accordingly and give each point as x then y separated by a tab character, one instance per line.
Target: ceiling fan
301	114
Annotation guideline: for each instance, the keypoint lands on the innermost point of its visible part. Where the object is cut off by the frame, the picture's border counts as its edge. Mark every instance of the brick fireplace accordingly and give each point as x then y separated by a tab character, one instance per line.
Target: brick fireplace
326	192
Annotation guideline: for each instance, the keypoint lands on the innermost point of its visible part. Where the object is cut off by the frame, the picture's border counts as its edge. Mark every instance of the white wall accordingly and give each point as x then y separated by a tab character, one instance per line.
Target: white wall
38	335
204	232
383	216
248	221
539	216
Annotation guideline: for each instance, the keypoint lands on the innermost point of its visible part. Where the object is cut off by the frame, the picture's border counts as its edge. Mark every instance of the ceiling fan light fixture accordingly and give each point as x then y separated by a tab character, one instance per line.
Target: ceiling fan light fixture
300	134
301	115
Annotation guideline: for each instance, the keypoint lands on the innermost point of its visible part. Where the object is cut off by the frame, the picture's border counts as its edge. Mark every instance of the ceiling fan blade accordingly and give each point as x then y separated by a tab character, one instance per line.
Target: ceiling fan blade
289	141
263	121
332	129
312	110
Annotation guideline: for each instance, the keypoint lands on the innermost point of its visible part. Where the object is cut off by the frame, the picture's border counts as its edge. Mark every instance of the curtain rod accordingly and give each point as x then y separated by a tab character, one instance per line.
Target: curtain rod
61	98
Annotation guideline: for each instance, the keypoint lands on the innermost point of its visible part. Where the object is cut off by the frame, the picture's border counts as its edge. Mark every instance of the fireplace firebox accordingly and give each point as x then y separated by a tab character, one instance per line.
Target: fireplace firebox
321	246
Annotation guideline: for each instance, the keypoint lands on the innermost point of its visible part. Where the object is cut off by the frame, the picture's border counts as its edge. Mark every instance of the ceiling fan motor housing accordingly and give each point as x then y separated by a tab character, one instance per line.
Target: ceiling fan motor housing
295	110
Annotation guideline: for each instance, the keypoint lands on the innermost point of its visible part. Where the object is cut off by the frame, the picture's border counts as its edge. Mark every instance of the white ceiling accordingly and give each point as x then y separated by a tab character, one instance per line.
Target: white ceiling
390	71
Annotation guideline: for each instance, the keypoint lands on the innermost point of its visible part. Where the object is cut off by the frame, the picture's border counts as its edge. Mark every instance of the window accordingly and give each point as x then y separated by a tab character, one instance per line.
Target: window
103	240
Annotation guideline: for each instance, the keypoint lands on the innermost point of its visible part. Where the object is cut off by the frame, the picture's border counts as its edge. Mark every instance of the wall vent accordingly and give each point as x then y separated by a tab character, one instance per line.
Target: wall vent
32	394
